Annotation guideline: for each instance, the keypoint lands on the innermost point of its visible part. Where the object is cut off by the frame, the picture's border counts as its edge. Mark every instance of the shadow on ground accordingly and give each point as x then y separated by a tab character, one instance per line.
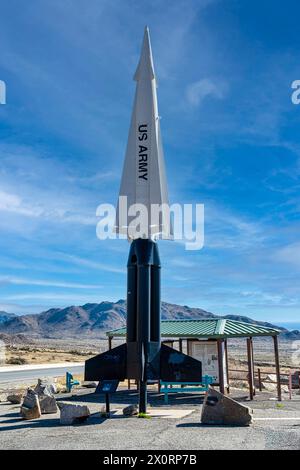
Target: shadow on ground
130	397
17	423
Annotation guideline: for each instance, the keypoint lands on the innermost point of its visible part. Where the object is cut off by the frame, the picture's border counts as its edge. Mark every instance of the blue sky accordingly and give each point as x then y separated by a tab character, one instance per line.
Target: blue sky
231	140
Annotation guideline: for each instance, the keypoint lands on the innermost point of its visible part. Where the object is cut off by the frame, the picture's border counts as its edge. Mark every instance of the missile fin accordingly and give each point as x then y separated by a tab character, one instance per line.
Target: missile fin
110	365
178	367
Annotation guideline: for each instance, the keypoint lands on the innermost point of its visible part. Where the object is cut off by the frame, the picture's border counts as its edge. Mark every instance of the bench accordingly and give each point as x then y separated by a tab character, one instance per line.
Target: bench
183	387
70	382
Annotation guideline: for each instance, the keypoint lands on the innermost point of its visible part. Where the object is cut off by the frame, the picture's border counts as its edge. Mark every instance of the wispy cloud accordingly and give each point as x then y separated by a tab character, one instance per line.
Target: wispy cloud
196	92
289	254
6	280
14	204
93	264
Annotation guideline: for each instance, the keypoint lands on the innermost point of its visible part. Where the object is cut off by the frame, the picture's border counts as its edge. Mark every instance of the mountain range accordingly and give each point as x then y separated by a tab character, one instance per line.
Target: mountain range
92	320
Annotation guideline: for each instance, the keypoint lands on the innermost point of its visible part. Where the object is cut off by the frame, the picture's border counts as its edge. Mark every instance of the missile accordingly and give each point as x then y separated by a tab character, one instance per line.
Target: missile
143	357
144	177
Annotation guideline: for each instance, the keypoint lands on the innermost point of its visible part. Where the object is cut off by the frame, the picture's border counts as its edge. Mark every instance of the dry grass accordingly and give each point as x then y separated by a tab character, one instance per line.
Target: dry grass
40	355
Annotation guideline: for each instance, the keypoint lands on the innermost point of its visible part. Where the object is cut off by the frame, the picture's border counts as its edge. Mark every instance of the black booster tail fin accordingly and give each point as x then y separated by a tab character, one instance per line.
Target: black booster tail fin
178	367
110	365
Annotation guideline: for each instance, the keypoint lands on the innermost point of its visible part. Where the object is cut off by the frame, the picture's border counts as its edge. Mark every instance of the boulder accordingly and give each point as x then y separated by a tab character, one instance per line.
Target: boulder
48	404
295	380
72	414
45	390
3	398
131	410
30	408
270	387
15	398
45	387
29	399
222	410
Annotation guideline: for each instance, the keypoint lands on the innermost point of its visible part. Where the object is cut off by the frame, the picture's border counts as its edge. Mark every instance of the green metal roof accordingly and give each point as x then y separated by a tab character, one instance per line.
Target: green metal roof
208	328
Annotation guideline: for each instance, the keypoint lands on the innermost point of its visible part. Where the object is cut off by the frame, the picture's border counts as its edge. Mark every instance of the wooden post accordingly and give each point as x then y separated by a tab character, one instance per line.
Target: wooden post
110	342
180	345
290	385
252	354
227	365
250	367
221	367
259	380
275	340
188	347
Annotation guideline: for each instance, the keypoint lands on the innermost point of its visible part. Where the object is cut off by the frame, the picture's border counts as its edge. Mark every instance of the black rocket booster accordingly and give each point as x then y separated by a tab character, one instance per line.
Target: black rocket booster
143	357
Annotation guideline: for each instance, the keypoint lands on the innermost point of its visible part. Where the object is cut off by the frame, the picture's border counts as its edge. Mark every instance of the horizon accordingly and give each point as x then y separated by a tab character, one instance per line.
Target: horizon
230	135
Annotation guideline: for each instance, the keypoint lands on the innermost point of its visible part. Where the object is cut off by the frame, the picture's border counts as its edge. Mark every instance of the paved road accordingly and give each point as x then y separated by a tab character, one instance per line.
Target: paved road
27	375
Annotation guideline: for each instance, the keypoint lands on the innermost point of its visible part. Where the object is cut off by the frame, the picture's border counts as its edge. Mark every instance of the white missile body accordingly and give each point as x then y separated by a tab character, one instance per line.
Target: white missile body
143	178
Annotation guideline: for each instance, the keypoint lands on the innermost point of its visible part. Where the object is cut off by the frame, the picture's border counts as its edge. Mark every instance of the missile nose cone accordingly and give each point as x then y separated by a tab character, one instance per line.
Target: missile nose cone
145	68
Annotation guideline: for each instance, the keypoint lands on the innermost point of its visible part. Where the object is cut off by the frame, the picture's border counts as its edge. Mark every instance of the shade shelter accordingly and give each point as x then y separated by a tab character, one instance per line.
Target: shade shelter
208	339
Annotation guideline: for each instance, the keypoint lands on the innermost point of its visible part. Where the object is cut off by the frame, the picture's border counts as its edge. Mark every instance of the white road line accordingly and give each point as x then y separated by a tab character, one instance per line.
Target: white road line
277	419
29	367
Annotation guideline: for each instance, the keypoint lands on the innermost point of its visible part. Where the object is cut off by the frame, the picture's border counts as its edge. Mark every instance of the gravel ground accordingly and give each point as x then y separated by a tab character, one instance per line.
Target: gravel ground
283	432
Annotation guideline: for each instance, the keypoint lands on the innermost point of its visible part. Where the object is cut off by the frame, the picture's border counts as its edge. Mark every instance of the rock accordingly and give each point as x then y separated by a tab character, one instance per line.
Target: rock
30	408
45	390
45	387
90	384
3	398
70	413
60	388
131	410
270	387
15	398
222	410
295	380
30	398
256	384
48	404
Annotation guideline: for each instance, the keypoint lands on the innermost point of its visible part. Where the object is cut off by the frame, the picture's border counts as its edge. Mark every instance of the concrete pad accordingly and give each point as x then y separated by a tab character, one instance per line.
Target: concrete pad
166	413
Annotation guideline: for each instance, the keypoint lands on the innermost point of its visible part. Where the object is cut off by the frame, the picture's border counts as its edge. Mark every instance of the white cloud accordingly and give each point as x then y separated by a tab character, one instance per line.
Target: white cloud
15	204
289	254
196	92
46	283
92	264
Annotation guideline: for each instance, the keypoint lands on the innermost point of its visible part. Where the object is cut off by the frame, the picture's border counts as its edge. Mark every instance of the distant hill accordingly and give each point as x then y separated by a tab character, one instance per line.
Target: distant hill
92	320
4	316
292	335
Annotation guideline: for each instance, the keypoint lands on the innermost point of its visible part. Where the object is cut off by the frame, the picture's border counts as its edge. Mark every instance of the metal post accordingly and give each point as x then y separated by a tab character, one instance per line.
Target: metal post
250	368
142	396
107	403
275	340
221	367
259	379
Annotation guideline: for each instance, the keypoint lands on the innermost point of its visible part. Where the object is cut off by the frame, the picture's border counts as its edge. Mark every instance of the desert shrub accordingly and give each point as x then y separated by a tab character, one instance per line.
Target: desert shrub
16	360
